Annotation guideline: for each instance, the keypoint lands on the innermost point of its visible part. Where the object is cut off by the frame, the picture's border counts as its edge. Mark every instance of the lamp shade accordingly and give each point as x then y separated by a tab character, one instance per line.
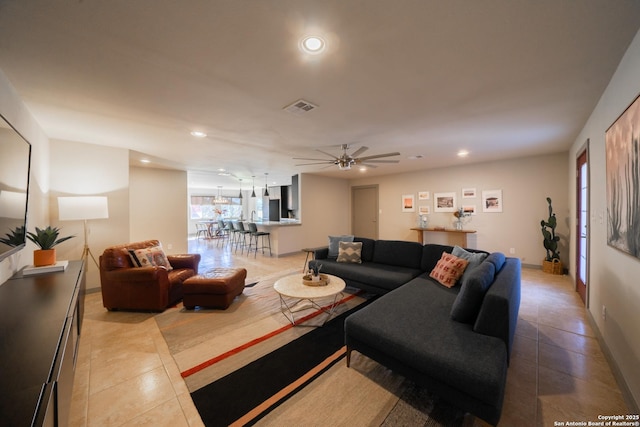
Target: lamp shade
84	207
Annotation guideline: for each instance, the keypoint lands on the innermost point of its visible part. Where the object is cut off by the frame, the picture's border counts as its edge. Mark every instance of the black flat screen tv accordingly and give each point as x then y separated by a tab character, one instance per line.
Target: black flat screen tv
15	164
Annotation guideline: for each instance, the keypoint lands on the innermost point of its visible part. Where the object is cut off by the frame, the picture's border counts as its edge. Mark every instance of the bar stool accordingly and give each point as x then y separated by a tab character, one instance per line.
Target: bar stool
255	234
201	230
223	232
232	234
242	234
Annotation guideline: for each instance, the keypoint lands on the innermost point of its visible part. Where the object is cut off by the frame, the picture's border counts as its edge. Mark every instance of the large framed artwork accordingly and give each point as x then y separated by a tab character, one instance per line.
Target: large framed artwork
492	201
444	202
623	181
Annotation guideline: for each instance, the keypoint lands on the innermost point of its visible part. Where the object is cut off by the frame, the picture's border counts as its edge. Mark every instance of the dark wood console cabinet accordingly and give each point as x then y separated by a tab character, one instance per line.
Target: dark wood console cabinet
40	324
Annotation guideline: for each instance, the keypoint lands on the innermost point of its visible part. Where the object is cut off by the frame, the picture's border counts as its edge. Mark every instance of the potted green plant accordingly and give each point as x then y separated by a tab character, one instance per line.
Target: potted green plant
14	238
551	263
46	239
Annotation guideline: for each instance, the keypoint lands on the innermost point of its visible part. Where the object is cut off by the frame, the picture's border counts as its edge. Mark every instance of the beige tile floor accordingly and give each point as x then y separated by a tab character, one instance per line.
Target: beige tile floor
125	375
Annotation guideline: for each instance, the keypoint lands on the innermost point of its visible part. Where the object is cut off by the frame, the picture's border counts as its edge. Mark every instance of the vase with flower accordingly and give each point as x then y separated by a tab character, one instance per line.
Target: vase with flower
460	214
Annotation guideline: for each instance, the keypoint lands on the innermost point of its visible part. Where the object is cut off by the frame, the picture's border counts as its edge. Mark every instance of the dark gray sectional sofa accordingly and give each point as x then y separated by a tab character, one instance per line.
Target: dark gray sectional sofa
411	328
386	264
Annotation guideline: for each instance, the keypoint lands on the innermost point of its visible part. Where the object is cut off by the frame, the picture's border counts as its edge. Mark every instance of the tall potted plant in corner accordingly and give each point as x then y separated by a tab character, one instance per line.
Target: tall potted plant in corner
46	239
551	263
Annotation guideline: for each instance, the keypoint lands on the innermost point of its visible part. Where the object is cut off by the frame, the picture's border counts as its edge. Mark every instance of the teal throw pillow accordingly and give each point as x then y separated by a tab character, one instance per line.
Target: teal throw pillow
474	258
334	242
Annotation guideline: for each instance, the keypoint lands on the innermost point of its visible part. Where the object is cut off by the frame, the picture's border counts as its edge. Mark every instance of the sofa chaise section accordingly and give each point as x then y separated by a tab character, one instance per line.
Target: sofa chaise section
411	331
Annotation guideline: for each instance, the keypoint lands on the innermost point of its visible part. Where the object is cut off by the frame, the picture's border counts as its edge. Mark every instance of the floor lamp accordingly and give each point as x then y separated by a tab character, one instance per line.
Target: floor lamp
83	208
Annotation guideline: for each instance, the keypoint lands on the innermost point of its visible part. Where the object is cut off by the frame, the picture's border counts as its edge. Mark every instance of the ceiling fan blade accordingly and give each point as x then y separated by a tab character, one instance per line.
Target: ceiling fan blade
324	162
376	161
377	156
368	165
359	151
330	155
306	158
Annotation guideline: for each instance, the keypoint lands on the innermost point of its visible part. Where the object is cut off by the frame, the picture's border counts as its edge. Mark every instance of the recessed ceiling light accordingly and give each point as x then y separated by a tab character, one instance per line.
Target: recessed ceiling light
363	169
145	161
463	153
198	134
312	45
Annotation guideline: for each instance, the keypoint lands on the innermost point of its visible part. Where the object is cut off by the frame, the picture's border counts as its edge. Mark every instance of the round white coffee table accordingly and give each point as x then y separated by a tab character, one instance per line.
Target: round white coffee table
292	287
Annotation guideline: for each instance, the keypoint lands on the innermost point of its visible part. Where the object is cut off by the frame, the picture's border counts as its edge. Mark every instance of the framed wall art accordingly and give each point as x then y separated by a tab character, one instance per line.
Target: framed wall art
444	202
622	148
492	201
469	209
424	210
423	195
468	193
408	203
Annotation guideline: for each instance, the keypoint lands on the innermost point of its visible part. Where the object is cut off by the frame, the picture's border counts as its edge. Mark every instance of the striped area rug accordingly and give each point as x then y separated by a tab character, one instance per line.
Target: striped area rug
248	364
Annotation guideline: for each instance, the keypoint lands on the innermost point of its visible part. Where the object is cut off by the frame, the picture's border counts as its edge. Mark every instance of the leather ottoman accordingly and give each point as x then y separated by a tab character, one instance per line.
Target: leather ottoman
216	288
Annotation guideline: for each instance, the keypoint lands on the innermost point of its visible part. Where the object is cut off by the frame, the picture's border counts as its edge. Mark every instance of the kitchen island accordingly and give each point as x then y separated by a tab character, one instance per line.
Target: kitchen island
285	234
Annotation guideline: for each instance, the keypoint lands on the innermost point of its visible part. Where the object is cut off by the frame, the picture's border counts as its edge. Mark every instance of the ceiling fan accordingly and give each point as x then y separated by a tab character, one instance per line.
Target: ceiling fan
345	161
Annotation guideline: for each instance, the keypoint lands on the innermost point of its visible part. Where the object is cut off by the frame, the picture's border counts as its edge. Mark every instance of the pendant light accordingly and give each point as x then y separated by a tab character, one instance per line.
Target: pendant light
240	195
220	200
253	193
266	190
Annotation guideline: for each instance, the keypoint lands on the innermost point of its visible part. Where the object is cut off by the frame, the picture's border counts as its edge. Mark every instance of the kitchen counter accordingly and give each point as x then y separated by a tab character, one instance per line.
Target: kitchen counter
282	222
285	238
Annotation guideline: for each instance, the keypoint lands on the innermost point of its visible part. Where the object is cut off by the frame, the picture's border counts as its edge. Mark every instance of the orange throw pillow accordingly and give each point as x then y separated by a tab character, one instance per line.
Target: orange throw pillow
448	269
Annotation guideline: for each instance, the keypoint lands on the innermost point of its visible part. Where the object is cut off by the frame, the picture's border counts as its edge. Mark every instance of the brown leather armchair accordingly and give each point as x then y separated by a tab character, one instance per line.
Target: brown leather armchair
143	288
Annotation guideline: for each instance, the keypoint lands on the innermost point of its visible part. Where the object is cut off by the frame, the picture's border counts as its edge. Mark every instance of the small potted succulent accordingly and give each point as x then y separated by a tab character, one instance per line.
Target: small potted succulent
14	238
315	272
46	239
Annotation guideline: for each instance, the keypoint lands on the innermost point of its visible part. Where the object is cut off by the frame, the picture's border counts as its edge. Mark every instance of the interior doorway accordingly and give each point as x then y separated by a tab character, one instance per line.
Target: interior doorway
582	224
364	211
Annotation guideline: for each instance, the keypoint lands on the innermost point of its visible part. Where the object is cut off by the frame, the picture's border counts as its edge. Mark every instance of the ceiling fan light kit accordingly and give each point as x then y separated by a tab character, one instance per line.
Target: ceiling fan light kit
345	161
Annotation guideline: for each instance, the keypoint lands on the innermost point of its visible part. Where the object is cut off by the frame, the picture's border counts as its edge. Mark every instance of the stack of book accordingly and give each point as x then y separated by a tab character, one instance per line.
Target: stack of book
58	266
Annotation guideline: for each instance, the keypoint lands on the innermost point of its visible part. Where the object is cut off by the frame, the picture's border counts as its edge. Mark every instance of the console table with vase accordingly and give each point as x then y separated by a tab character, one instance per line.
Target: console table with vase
461	236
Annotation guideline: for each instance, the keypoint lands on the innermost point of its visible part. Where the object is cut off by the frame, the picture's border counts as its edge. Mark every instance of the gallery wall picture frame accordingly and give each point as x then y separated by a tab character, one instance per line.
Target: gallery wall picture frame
424	210
423	195
469	209
622	147
492	201
408	203
469	193
444	202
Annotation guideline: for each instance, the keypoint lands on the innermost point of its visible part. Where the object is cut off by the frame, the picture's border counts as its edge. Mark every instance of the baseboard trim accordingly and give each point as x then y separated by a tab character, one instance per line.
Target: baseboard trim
615	369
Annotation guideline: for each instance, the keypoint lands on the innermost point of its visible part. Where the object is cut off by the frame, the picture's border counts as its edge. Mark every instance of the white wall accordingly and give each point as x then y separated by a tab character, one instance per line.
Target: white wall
79	169
613	275
159	207
324	209
525	185
15	112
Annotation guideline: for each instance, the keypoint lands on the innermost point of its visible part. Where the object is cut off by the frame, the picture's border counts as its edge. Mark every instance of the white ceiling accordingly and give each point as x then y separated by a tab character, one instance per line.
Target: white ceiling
499	78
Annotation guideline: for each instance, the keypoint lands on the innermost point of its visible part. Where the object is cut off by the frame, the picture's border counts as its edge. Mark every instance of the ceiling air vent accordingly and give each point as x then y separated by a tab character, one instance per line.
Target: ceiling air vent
300	107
